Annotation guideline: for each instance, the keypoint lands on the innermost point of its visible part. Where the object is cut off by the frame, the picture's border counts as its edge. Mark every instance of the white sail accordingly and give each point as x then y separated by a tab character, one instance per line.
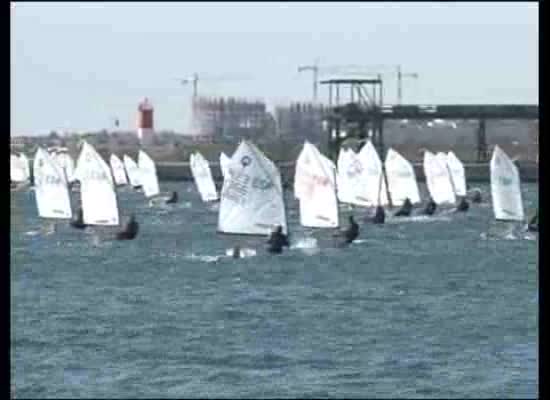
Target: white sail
117	167
351	180
224	162
26	165
67	164
438	180
17	169
52	194
132	170
505	188
252	195
458	175
148	174
97	192
401	179
200	169
315	184
87	155
373	185
343	187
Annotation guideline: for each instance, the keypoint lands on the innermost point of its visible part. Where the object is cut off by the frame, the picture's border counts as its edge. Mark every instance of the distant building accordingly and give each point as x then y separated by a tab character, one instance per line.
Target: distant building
300	121
227	119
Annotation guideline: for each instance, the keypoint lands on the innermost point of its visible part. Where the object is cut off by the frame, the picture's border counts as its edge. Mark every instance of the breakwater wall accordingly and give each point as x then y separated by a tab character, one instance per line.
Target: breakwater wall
475	172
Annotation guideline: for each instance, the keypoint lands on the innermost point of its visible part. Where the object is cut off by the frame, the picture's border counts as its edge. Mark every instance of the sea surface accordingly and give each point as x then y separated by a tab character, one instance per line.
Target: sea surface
422	307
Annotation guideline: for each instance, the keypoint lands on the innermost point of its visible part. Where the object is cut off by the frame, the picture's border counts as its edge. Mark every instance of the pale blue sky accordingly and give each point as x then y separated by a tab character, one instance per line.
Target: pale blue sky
78	65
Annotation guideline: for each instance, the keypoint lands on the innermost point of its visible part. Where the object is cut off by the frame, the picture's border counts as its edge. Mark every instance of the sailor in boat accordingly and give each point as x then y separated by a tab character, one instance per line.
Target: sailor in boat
173	198
277	240
379	215
405	210
533	225
130	231
236	252
430	208
78	223
475	195
463	205
352	232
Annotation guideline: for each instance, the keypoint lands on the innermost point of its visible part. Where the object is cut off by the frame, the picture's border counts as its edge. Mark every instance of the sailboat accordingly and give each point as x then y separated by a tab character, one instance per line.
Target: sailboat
97	190
252	200
51	191
117	168
315	187
401	179
19	170
438	179
458	176
344	176
133	171
373	182
200	169
148	175
505	188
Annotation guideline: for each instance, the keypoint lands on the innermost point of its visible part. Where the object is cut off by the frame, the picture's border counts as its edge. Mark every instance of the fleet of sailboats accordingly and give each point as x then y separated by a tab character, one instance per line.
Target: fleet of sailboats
251	200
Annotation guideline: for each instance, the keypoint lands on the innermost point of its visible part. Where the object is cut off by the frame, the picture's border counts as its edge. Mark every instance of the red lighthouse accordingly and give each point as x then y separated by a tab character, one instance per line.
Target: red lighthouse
145	128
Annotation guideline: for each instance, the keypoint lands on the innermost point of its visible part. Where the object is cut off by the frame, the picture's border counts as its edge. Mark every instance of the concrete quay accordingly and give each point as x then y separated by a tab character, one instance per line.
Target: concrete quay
475	172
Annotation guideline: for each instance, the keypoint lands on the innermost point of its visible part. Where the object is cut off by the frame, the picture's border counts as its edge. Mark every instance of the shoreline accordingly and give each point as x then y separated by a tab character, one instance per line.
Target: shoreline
475	172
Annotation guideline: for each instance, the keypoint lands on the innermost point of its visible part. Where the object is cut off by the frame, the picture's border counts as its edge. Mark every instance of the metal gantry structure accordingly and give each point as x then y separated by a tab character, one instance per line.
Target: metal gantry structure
357	116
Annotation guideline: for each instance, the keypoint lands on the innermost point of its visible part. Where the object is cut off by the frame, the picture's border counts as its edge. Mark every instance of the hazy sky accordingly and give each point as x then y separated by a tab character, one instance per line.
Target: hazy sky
78	65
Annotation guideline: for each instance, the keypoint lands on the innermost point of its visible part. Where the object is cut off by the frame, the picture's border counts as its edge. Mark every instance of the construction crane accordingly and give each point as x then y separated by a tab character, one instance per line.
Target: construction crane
400	76
376	71
331	69
354	69
315	69
194	80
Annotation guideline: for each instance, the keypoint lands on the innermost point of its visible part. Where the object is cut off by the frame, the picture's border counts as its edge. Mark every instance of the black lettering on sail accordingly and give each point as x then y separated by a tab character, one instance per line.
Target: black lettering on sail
237	190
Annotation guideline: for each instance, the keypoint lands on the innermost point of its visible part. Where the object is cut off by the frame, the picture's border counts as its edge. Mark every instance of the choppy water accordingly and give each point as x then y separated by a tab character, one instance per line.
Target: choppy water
442	307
